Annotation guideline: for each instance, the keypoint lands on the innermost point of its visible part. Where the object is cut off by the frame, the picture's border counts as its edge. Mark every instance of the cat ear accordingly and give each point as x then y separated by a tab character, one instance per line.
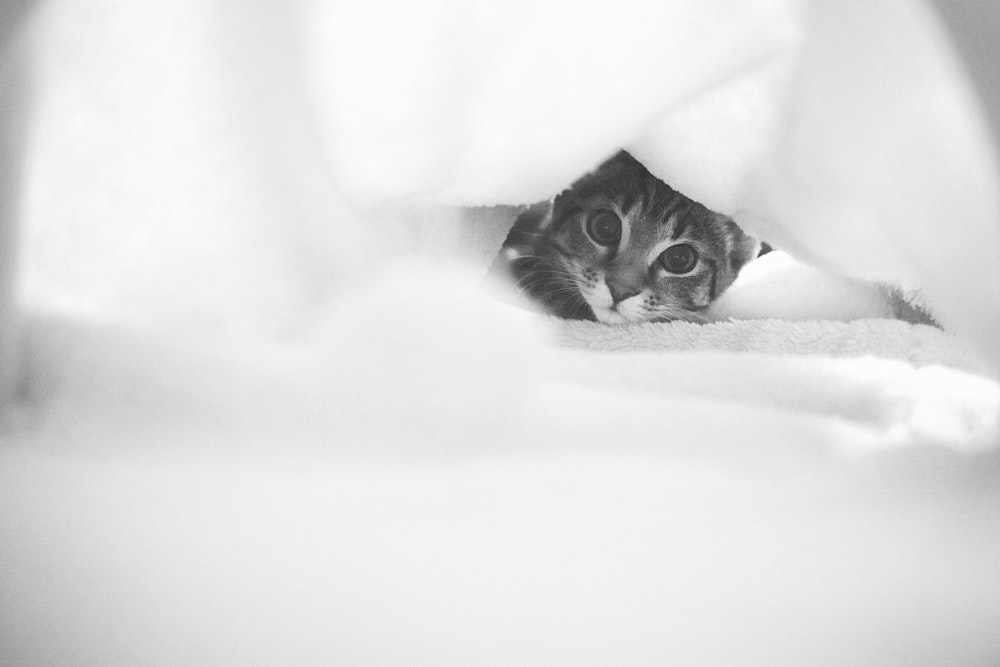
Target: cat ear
744	249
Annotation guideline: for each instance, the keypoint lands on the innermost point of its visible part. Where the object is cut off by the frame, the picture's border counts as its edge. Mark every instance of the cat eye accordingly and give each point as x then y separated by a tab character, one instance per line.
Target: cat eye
680	258
604	227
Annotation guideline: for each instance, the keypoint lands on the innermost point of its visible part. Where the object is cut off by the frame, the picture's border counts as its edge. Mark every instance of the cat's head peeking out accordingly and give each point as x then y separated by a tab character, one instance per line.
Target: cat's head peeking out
619	245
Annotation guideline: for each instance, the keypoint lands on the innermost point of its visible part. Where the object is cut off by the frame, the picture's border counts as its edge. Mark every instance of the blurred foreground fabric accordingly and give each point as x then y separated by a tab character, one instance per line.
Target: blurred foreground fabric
271	415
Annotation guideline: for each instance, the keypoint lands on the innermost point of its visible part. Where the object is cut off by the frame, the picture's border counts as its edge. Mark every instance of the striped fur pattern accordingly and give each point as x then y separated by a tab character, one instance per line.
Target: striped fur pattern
619	245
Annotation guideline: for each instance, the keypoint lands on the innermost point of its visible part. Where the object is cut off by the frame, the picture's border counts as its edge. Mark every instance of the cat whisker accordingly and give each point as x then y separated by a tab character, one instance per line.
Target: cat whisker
557	252
568	291
537	278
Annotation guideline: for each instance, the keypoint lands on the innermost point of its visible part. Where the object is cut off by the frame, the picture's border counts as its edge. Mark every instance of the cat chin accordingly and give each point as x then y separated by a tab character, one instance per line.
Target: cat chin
604	310
608	316
628	311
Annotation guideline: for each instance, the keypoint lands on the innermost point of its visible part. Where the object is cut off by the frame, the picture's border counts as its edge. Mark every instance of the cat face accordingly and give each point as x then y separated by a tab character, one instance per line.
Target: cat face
625	246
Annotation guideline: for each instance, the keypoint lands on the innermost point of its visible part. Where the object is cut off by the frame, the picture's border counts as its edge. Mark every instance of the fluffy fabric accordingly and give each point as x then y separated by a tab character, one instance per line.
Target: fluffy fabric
270	415
277	153
458	486
798	367
892	339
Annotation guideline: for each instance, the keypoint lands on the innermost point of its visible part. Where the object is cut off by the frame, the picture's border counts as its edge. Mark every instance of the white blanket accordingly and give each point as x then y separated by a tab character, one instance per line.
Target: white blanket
800	367
269	416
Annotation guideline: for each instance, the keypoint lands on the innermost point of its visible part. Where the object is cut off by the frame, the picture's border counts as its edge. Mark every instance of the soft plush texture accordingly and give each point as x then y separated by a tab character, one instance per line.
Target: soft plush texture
271	414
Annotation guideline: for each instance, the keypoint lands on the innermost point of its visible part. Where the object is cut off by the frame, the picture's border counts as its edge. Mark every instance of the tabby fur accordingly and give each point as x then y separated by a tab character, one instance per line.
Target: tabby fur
619	245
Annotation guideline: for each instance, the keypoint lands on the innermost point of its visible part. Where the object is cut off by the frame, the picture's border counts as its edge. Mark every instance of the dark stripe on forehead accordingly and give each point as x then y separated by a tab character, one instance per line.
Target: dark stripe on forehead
649	194
683	220
669	200
631	197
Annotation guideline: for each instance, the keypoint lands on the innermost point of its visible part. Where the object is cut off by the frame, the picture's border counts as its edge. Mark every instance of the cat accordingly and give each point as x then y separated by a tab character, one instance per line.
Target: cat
620	245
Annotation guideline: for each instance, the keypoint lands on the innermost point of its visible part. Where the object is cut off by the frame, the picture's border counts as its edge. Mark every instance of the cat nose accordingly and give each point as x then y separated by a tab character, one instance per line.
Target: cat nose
621	291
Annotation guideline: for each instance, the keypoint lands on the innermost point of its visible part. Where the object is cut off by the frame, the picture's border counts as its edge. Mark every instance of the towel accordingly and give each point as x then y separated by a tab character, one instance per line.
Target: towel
269	414
283	155
910	384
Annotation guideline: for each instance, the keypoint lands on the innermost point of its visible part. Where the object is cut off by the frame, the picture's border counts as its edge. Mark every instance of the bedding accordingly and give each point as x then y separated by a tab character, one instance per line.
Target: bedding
271	414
